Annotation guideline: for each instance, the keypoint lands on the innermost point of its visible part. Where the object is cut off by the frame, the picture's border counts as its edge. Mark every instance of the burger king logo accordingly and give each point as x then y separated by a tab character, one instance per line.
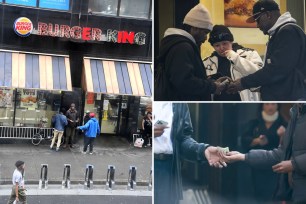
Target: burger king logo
23	26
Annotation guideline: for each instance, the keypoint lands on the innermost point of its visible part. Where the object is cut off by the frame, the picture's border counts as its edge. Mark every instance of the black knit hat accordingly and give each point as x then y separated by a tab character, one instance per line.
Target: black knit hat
220	33
19	163
262	6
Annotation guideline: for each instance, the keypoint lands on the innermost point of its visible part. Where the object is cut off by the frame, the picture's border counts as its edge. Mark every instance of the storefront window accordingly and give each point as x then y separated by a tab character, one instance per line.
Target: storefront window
135	8
6	107
92	104
32	106
106	7
54	4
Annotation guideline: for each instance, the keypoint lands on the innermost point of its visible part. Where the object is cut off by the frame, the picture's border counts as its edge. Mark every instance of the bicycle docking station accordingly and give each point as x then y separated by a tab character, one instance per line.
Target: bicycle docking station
110	179
88	183
132	178
66	176
43	181
150	181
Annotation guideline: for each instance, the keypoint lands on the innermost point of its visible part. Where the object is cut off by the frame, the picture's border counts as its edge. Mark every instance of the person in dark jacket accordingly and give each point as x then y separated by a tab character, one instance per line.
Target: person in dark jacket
279	79
184	76
173	142
265	132
86	117
92	129
294	144
147	128
73	119
59	121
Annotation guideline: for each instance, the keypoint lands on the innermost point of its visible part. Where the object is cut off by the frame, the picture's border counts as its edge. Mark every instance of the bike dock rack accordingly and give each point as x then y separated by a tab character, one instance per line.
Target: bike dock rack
66	176
150	181
43	181
132	178
88	183
110	179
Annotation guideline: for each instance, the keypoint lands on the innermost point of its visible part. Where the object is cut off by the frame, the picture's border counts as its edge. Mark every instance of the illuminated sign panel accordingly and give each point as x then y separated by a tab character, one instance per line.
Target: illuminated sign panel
54	4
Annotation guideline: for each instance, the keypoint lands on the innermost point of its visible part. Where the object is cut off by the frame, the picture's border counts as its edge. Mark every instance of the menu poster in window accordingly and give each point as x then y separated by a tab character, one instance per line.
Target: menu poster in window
54	4
90	98
6	97
22	2
28	99
236	12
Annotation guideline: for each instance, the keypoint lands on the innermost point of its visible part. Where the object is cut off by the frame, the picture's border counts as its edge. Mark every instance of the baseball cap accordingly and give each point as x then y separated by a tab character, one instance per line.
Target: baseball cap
91	115
87	111
262	6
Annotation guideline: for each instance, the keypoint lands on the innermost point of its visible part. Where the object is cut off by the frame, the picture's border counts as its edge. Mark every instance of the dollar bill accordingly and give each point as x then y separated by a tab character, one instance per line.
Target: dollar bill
223	149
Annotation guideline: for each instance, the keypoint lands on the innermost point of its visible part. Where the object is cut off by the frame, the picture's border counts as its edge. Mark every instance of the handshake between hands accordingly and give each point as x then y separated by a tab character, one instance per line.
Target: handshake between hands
219	157
228	85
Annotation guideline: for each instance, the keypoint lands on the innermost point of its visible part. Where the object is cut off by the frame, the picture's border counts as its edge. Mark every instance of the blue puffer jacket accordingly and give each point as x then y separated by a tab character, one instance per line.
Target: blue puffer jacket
59	121
91	128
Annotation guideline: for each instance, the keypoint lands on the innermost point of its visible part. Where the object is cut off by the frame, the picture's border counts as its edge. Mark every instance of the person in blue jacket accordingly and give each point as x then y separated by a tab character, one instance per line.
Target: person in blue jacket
91	129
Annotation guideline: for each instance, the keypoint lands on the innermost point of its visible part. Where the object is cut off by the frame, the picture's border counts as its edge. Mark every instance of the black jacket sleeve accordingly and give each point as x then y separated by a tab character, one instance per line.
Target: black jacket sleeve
180	68
283	57
190	149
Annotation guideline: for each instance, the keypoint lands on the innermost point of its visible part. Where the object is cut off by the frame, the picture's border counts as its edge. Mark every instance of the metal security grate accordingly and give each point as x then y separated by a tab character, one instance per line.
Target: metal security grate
21	132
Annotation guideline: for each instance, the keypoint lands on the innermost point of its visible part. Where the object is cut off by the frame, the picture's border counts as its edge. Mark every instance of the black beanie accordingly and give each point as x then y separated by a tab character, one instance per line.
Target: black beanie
19	163
220	33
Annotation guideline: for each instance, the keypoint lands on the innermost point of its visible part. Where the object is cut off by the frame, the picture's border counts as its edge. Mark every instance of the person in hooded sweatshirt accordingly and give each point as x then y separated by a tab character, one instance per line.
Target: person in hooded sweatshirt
180	63
279	78
91	129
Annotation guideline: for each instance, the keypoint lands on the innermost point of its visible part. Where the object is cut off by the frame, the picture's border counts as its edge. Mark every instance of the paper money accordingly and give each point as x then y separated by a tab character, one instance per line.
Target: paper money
223	149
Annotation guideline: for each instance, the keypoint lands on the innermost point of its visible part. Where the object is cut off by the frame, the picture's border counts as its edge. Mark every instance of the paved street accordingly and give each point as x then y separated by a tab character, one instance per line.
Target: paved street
108	150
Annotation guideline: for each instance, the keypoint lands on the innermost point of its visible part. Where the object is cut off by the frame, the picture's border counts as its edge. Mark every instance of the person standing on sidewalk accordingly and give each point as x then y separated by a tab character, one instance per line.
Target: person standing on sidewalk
59	121
86	117
91	129
18	190
73	119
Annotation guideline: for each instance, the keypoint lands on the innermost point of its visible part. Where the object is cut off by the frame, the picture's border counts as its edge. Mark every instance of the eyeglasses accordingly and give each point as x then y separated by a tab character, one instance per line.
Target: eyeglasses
258	17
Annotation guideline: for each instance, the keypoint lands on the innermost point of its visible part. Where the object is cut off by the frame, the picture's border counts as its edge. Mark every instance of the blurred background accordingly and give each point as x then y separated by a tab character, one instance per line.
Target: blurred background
233	125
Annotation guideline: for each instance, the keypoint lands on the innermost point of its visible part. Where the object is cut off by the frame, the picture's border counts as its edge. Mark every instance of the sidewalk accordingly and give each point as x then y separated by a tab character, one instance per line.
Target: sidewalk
108	150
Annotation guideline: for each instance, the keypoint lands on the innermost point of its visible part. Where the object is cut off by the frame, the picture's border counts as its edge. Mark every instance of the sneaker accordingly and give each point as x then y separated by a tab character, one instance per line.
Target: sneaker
90	152
57	149
83	152
51	148
65	146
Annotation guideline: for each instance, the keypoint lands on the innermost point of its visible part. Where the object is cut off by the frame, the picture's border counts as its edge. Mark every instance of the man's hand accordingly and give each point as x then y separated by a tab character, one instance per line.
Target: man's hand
159	130
213	156
233	156
283	167
234	87
261	141
222	84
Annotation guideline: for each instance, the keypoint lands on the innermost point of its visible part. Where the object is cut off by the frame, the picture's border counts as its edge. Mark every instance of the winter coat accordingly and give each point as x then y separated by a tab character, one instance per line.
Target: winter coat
91	128
266	159
278	78
74	116
184	147
59	122
185	74
244	61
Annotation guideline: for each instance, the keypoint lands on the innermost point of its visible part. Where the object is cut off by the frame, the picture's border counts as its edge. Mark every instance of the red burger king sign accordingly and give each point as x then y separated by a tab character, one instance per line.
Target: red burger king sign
23	26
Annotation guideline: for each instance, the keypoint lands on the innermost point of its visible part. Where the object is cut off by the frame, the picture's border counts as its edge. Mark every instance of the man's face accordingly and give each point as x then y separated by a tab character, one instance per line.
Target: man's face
263	22
222	46
199	34
269	108
72	107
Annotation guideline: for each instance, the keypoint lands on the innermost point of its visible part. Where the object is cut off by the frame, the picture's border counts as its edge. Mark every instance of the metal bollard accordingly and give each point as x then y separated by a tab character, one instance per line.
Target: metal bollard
88	184
150	181
132	178
110	179
43	181
66	176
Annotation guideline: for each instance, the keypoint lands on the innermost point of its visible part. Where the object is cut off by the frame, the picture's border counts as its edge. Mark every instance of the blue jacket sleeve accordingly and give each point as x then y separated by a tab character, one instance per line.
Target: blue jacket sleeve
85	127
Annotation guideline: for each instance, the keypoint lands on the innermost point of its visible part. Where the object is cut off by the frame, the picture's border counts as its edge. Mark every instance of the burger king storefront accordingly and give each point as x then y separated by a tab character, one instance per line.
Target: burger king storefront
52	56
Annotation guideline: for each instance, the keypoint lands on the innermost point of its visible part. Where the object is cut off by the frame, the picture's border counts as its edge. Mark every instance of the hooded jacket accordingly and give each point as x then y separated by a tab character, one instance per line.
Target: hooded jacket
91	128
266	159
59	121
278	78
244	61
185	74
